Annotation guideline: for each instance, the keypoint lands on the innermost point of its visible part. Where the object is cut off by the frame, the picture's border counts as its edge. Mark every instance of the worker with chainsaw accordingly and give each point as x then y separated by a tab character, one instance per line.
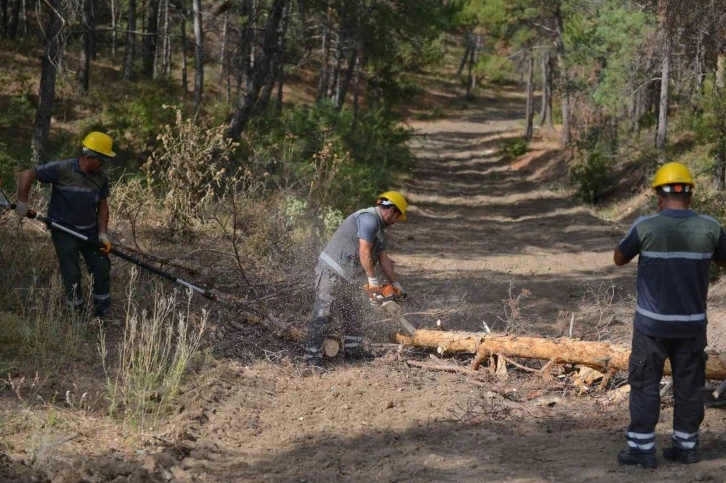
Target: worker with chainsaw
353	251
78	201
676	247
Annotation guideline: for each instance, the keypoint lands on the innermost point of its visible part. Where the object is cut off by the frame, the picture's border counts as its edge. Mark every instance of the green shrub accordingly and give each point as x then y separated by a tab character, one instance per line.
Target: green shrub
515	147
591	176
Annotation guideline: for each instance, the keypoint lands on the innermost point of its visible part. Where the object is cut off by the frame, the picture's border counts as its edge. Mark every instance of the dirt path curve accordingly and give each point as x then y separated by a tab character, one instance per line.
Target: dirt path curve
477	223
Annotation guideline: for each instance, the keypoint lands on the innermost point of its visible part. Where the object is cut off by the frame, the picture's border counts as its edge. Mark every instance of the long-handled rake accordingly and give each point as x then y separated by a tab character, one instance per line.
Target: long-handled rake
5	204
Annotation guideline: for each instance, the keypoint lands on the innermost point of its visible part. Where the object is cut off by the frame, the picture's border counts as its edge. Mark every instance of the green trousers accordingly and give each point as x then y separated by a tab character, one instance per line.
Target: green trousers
68	249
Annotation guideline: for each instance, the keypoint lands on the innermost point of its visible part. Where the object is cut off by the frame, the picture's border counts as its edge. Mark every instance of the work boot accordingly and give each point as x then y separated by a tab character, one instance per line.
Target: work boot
638	458
685	456
314	359
354	348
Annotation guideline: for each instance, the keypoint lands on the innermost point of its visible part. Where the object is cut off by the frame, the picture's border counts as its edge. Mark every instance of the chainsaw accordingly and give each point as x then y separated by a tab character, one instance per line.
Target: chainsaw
389	300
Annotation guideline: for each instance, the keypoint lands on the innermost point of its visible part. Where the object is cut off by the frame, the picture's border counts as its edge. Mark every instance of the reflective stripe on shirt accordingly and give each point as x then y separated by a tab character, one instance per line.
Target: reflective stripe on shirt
671	318
334	265
689	255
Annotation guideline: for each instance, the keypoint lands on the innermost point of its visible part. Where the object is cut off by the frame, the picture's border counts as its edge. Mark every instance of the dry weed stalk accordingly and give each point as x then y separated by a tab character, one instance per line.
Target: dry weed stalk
601	300
189	168
512	309
153	356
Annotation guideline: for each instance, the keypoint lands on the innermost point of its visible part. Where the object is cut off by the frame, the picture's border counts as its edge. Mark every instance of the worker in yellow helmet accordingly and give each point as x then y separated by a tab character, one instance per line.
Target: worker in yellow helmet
353	251
675	247
79	202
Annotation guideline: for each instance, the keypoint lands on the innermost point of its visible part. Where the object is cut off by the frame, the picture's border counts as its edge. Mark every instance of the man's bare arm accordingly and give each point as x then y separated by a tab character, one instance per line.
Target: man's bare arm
387	266
365	253
25	179
619	258
103	216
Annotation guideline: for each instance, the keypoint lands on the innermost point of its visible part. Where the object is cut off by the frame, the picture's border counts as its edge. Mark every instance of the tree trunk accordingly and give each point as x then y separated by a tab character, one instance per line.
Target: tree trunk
223	56
598	355
14	18
334	78
281	63
260	72
473	57
325	69
564	77
4	17
469	36
661	137
151	39
721	69
85	67
49	68
198	55
114	36
24	17
275	66
529	131
546	110
356	88
130	53
184	68
343	90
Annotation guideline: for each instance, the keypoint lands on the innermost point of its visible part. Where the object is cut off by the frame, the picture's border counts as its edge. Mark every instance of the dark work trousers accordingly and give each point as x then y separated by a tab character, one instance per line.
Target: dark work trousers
334	297
688	363
68	249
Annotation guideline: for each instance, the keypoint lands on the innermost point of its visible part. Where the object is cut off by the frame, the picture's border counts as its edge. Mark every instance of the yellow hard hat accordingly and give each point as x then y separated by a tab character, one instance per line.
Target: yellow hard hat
398	201
99	143
672	173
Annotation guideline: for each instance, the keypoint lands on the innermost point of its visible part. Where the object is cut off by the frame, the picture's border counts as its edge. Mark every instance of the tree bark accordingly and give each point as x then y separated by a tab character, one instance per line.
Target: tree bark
49	69
198	55
564	77
261	70
4	17
114	36
130	53
335	77
13	19
598	355
721	69
529	131
356	88
24	16
277	63
184	67
467	52
663	103
223	71
85	67
343	88
546	111
473	58
151	39
325	69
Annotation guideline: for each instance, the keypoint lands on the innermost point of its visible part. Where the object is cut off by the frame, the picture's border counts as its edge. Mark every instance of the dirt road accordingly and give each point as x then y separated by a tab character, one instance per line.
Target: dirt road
480	228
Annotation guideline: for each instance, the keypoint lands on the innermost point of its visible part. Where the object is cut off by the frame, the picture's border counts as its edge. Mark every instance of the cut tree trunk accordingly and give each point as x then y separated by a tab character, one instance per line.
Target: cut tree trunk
598	355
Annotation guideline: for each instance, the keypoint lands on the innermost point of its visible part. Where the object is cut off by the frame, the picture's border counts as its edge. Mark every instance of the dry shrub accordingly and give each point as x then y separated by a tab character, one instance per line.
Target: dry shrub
189	168
157	347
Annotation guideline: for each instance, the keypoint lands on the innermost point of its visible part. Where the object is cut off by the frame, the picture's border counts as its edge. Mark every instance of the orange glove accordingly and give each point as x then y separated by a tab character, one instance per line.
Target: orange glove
103	238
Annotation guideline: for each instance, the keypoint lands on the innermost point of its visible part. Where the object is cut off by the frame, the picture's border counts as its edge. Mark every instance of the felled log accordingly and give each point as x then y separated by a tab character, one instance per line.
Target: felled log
598	355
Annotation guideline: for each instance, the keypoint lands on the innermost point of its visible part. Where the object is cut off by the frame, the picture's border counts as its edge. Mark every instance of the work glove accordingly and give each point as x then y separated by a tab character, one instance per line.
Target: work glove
21	209
103	238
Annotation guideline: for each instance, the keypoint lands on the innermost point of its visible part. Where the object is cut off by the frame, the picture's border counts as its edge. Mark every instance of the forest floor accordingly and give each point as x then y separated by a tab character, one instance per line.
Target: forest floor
490	240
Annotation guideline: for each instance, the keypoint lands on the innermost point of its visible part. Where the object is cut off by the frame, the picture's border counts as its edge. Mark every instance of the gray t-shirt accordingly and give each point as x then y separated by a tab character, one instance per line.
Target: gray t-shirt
341	253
